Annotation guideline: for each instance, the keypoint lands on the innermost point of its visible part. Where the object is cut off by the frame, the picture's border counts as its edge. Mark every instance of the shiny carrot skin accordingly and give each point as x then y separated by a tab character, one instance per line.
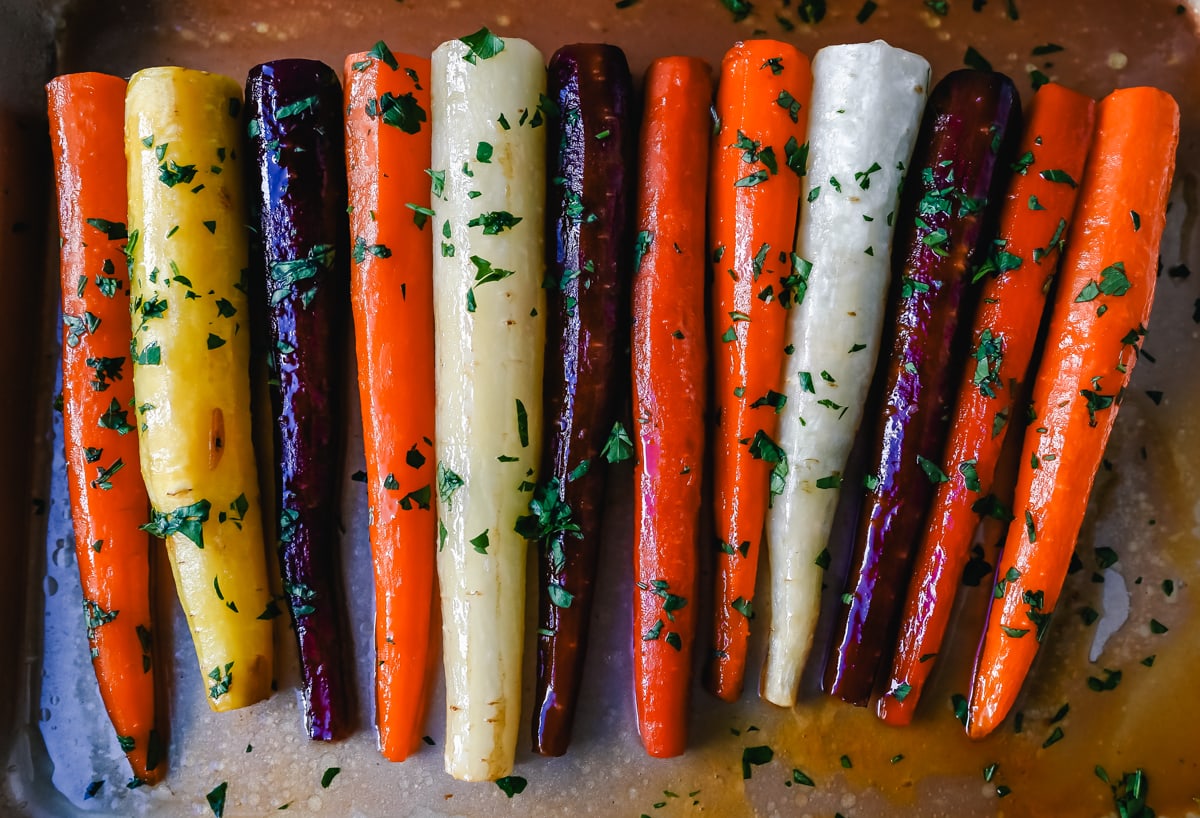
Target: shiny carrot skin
489	310
189	258
670	374
108	497
1098	320
391	289
294	115
589	207
1034	223
757	159
958	169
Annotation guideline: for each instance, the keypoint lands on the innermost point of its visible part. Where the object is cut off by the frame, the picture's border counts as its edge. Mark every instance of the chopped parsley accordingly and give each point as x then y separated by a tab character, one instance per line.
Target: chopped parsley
790	104
221	681
619	446
755	757
551	516
216	799
740	9
512	785
186	520
480	542
495	222
932	470
1058	176
486	273
381	52
482	45
403	112
112	230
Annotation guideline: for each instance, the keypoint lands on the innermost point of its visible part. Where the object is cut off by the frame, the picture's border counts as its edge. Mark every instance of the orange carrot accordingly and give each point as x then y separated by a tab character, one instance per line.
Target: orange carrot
392	296
1036	215
108	497
1099	316
754	194
669	381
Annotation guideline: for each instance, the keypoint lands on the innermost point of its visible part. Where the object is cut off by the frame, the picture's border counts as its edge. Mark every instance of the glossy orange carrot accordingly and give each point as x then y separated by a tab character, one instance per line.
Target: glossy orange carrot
754	195
388	154
1105	290
1035	219
670	360
108	497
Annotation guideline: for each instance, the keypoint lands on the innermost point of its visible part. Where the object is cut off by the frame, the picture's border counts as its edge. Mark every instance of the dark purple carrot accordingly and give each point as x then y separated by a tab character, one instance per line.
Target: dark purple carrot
295	128
589	204
954	185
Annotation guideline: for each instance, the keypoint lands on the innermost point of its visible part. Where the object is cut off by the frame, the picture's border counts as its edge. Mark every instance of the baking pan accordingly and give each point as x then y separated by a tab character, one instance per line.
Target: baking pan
57	741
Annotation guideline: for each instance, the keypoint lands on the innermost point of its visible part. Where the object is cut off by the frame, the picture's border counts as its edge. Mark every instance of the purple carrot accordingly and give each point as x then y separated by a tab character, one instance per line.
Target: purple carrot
294	110
953	188
589	206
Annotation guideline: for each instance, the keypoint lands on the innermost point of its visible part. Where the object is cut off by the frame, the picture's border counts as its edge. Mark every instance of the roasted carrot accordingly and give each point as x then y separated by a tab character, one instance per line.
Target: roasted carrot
591	132
188	253
670	362
294	116
953	186
391	288
1035	219
754	195
489	309
108	497
1097	322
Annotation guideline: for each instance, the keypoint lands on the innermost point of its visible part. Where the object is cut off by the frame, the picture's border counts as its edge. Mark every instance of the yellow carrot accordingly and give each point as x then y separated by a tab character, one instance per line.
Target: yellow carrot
191	349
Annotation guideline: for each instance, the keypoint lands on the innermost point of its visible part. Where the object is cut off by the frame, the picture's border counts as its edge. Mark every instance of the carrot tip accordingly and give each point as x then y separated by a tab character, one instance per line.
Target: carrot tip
895	712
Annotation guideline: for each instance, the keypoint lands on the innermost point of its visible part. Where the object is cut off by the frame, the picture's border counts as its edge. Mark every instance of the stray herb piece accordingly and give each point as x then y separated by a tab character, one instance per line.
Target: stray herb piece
755	757
512	785
216	799
740	9
959	702
866	11
973	59
1111	679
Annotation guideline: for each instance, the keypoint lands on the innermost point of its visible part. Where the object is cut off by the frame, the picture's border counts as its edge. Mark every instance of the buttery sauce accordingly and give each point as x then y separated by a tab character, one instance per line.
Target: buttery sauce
1146	507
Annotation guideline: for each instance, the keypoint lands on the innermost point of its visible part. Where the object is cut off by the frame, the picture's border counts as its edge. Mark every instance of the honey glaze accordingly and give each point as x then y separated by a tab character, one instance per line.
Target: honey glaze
1146	505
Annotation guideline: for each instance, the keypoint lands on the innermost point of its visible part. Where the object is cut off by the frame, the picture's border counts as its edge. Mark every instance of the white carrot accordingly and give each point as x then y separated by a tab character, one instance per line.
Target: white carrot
866	106
489	315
